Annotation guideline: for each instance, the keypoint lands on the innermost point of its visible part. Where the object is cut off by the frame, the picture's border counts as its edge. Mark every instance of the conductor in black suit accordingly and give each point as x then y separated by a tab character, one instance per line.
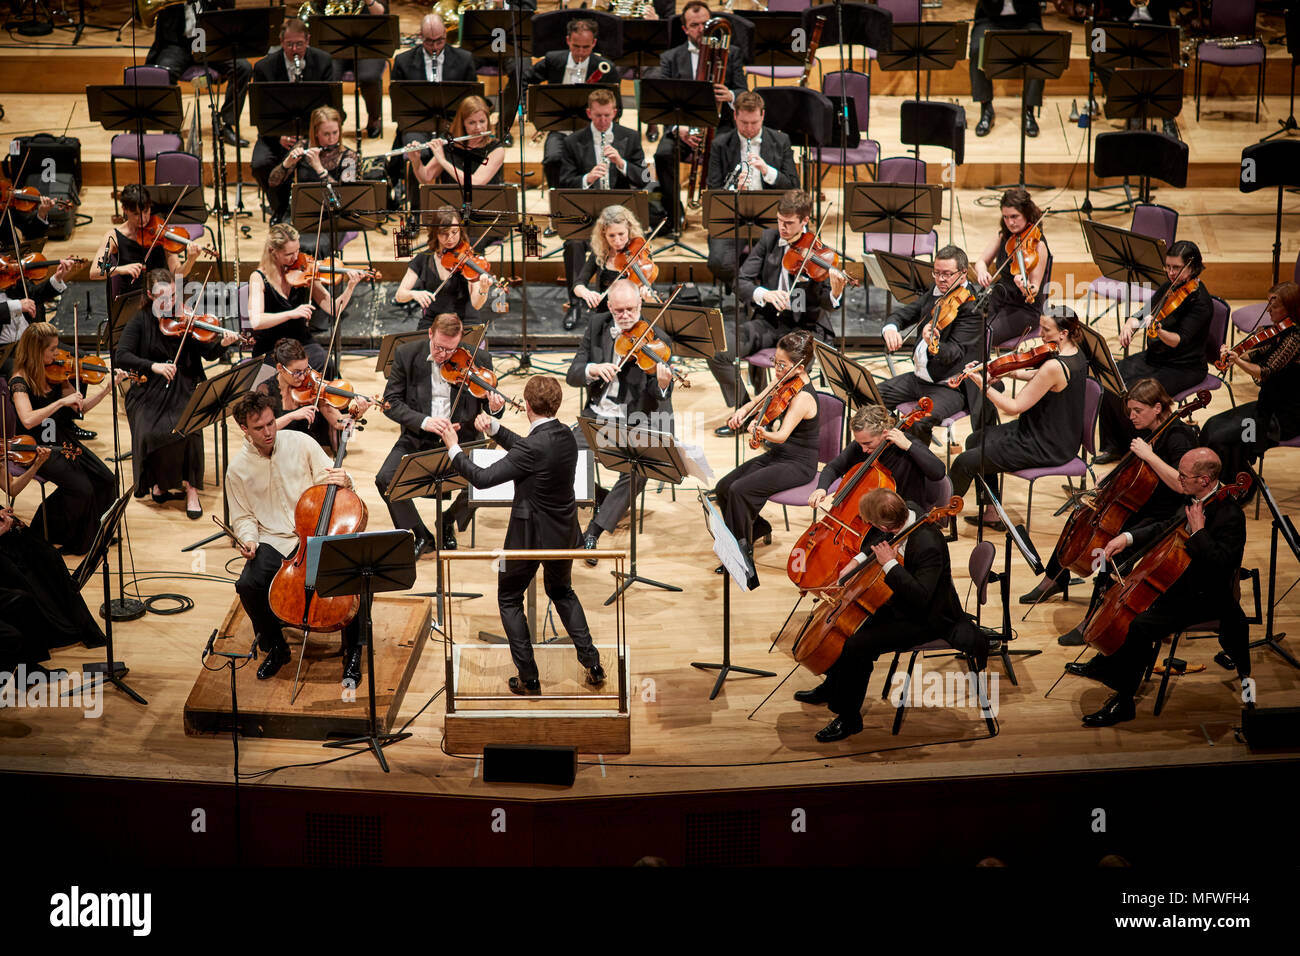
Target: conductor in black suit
1203	592
1002	15
278	66
544	515
421	401
750	156
778	307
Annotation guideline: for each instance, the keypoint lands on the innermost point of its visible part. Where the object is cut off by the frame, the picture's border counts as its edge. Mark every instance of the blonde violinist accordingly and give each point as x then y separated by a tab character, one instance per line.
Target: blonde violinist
322	159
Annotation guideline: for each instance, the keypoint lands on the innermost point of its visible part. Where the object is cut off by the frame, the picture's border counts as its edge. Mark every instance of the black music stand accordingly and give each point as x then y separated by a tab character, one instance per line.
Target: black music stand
1017	538
187	203
1101	361
808	118
493	206
737	565
120	311
772	43
696	332
1125	256
1282	527
929	46
575	211
1145	94
136	108
643	41
1289	125
1024	55
503	36
389	344
1265	165
894	208
907	279
562	107
284	109
207	406
688	103
641	453
345	564
852	24
850	382
356	37
1142	154
927	123
422	107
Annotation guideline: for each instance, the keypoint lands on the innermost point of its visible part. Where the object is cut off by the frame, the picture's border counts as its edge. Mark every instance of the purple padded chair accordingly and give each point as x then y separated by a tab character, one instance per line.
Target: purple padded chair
148	145
1251	318
857	86
1236	19
830	412
180	168
1213	342
906	170
1153	221
904	11
1076	467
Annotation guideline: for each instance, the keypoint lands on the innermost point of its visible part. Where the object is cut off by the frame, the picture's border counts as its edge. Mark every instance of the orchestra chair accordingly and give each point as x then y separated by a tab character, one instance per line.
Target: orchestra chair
1213	343
857	85
906	170
904	11
179	168
830	417
1259	465
135	146
763	359
1236	19
11	430
1076	467
774	73
1153	221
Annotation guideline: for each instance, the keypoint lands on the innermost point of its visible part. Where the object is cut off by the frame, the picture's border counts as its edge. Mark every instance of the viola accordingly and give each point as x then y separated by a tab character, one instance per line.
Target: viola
815	259
90	369
202	328
459	369
314	390
1023	251
21	449
833	539
844	609
946	313
648	351
635	263
1153	575
1101	514
1254	341
768	415
321	510
1011	362
306	271
33	266
27	198
1173	298
173	239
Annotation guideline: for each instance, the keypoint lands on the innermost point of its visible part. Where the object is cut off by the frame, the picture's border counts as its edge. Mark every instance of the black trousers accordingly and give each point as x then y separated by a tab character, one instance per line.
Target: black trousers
265	158
1011	320
1000	453
1240	437
742	493
723	261
370	78
553	159
981	87
755	335
512	583
84	492
909	388
847	679
404	513
575	256
1115	430
253	588
177	59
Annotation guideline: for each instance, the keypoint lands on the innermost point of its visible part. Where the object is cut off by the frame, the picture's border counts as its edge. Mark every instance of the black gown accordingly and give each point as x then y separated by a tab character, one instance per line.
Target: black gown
57	615
453	297
129	252
297	329
1011	315
158	455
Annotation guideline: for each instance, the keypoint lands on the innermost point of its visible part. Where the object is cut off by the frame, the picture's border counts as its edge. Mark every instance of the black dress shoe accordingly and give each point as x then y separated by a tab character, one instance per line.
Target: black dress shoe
95	640
448	540
81	434
1031	124
525	687
986	120
724	431
1090	669
838	729
652	134
595	675
1042	591
352	667
1224	660
570	320
423	546
762	529
230	138
1107	457
276	658
816	695
160	499
1114	711
589	543
375	129
1071	638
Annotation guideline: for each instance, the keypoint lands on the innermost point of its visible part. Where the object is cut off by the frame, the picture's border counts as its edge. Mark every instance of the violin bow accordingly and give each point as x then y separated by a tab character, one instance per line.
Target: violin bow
623	272
649	328
166	219
816	238
189	320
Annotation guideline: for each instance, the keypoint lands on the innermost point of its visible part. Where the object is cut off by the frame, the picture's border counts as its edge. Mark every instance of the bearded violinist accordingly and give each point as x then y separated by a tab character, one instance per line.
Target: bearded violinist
909	462
949	334
421	400
1175	357
1204	591
1016	300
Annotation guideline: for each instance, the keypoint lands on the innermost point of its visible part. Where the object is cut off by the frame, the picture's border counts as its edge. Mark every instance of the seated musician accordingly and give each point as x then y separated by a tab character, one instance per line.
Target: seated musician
124	256
1175	356
420	399
1014	303
433	286
908	461
625	397
322	422
791	456
747	156
278	308
450	165
924	605
293	61
1002	15
1050	410
173	368
1241	435
944	344
27	225
264	480
779	307
1149	408
682	63
1203	592
24	302
324	159
173	49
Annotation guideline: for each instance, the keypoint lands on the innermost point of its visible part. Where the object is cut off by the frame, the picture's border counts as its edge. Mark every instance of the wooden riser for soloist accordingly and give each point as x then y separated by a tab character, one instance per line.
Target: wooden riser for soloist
401	629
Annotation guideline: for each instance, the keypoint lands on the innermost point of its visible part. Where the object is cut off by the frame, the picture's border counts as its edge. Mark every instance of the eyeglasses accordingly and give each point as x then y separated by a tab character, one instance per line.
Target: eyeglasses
945	275
1185	477
291	373
782	366
442	348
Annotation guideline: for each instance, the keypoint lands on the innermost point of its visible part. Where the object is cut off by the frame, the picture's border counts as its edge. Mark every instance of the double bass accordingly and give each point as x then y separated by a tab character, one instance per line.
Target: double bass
837	536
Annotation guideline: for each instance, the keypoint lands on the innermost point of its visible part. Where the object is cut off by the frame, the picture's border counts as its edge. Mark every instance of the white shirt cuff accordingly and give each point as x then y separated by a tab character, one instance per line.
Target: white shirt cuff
886	328
1129	537
455	450
57	284
591	377
769	177
15	308
758	295
836	300
585	183
888	566
494	427
425	421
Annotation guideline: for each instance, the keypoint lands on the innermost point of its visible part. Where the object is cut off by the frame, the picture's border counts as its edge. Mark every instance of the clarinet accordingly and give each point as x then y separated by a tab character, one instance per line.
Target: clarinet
604	179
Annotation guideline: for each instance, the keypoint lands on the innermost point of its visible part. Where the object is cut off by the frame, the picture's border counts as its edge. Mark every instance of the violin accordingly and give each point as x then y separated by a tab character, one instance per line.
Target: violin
821	640
780	394
1011	362
306	271
463	259
1254	341
946	313
1173	298
27	198
1023	251
459	369
338	393
90	369
648	351
635	262
21	449
1155	572
34	267
203	328
814	258
833	539
173	239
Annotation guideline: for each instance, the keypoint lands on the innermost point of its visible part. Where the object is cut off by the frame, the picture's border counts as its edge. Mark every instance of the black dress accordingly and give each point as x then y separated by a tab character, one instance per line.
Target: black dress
459	161
129	252
297	329
55	613
158	455
453	297
596	277
85	486
1012	315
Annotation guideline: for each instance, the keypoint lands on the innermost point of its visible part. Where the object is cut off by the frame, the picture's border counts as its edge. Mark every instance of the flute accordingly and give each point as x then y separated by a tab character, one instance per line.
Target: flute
412	147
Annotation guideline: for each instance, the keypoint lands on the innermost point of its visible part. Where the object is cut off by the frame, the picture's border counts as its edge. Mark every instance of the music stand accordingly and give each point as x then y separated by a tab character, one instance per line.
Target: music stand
849	382
1024	55
1143	154
908	279
345	564
136	108
1265	165
356	37
1100	360
1145	94
808	118
389	345
772	44
1289	125
927	123
120	311
207	406
1283	527
689	103
422	107
852	24
550	30
1018	538
498	35
1125	256
562	107
574	211
187	202
737	565
894	207
493	204
924	46
695	331
284	109
643	41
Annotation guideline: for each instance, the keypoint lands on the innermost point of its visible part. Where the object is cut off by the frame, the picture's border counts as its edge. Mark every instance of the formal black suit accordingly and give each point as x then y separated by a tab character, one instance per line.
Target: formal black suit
775	150
924	606
409	393
988	16
961	341
172	50
549	69
767	325
544	515
12	326
641	400
457	65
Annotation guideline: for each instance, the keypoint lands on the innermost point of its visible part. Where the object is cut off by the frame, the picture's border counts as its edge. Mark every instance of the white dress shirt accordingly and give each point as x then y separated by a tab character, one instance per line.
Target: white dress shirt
440	392
783	283
754	146
433	65
607	407
264	491
920	354
574	72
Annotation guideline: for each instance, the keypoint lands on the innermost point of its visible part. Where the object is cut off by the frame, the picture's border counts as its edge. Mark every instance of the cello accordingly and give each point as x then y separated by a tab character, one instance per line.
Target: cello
1154	574
1103	512
833	621
837	536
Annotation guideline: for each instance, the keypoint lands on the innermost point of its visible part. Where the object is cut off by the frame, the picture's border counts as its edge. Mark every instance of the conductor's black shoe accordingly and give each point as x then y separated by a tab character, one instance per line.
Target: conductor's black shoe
276	658
986	120
1071	638
524	687
1042	591
231	138
81	434
1090	669
1107	456
448	539
1114	711
590	543
724	431
816	695
838	729
352	668
1031	124
595	675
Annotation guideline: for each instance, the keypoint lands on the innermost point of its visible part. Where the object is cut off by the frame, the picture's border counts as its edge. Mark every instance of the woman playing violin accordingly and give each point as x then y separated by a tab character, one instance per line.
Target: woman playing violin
85	484
426	274
323	159
910	463
1050	407
127	253
322	421
1018	298
793	437
614	229
1175	355
471	119
278	309
161	460
1276	369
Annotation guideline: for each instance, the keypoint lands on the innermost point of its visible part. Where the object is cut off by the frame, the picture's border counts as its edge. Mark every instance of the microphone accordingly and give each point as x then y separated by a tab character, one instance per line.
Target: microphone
331	196
208	650
297	67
